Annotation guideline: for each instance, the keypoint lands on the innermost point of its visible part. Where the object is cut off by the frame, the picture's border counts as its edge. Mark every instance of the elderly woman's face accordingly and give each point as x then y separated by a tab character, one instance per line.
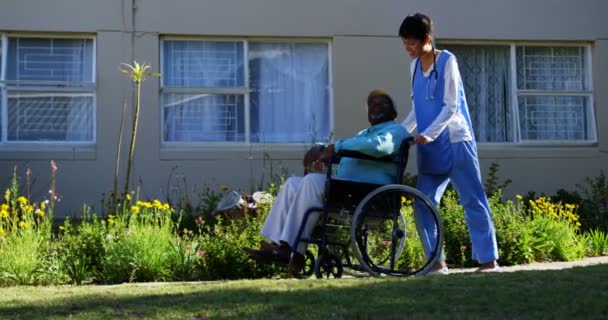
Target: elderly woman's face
379	110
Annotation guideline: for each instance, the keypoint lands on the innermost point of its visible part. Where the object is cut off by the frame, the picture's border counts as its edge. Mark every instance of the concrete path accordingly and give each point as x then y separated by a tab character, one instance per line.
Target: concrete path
558	265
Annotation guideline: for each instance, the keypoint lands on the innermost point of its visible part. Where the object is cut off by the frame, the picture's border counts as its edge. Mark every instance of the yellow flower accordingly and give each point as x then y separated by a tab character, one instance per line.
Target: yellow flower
43	205
135	209
40	213
128	197
519	196
166	207
23	224
3	213
157	204
2	233
28	208
22	200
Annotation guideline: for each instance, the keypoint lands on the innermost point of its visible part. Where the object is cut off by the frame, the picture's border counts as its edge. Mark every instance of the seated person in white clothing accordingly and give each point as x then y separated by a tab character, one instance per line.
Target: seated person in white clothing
298	194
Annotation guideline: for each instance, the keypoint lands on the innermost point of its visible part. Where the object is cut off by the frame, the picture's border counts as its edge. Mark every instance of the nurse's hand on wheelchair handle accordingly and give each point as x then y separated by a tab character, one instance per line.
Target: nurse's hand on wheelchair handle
421	139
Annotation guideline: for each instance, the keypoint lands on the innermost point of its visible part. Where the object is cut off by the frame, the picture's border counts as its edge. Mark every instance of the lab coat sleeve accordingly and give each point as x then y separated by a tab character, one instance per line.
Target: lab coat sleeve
450	100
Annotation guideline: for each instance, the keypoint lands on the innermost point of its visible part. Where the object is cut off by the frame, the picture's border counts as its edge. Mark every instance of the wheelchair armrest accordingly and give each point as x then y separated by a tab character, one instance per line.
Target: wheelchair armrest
406	143
396	159
363	156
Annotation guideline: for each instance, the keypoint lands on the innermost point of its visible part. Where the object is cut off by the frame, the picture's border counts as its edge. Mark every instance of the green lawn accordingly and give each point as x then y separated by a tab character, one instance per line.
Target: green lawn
565	294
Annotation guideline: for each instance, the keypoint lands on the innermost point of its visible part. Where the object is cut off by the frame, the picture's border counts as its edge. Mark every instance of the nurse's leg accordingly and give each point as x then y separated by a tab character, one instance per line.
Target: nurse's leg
467	181
432	187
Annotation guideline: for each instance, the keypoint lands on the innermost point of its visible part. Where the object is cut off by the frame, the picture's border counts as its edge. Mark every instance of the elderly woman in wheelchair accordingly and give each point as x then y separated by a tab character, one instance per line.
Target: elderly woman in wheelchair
357	214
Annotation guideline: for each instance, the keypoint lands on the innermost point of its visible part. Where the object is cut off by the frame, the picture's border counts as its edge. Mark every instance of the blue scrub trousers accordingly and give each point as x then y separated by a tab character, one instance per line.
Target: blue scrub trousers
466	177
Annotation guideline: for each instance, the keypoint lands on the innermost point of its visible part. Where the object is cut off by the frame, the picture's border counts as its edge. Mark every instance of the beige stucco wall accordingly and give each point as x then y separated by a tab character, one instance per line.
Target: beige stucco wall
366	54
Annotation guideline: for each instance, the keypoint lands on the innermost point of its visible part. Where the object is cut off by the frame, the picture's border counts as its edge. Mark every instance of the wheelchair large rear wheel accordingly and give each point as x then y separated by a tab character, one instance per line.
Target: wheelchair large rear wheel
390	228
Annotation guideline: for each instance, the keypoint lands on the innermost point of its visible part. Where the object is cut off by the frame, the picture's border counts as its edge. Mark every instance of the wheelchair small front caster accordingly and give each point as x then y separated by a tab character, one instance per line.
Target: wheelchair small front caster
328	265
309	265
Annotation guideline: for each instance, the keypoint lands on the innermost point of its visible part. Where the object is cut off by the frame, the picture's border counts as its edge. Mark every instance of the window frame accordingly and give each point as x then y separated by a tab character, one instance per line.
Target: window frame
515	92
244	91
6	85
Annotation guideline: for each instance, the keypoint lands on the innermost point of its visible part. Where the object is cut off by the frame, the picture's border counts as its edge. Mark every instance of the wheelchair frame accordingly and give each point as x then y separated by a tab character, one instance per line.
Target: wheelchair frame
351	202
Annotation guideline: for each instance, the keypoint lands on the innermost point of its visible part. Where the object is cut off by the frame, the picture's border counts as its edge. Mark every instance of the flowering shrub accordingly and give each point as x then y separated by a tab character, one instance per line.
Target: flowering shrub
542	231
147	240
543	206
25	240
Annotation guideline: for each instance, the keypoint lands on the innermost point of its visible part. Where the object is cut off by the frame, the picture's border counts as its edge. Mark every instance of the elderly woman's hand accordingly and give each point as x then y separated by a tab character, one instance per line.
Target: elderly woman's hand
327	153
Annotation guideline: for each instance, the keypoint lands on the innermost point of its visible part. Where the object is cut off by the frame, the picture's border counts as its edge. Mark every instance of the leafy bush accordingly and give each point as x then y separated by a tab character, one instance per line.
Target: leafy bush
457	241
224	256
554	240
541	231
26	254
594	204
142	245
596	242
513	237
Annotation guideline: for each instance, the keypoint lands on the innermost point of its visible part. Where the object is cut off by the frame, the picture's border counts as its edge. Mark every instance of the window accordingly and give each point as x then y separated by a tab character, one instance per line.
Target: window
528	93
245	91
47	89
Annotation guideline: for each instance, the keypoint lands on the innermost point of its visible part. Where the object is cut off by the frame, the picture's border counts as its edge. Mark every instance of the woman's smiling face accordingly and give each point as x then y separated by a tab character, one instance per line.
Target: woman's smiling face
412	46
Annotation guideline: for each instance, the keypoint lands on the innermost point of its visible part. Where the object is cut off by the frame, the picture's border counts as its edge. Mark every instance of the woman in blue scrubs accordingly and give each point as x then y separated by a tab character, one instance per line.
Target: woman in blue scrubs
446	149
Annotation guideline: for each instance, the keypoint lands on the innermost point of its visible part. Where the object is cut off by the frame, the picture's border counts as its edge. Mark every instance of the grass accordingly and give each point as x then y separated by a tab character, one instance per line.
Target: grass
563	294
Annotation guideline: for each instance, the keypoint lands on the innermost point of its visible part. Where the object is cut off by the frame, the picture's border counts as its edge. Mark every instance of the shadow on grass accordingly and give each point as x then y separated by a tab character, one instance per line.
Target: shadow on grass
572	293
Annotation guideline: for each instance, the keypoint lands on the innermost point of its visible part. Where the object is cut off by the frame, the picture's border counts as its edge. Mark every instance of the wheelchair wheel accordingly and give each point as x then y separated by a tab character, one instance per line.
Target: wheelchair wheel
328	265
309	264
385	235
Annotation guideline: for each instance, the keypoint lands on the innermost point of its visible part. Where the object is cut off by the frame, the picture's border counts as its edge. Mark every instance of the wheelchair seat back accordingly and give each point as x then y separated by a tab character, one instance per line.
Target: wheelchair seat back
344	195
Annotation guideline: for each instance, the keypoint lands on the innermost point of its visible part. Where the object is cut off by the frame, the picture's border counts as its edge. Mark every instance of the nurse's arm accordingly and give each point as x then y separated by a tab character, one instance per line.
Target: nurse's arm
450	101
409	123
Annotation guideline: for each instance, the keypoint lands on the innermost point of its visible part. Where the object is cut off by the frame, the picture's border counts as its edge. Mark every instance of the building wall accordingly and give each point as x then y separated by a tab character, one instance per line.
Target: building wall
366	54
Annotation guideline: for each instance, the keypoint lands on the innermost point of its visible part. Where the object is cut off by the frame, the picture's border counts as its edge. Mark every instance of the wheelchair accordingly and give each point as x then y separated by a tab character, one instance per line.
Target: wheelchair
370	229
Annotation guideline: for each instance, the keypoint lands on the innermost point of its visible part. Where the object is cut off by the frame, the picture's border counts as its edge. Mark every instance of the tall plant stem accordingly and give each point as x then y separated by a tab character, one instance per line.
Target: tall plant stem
133	136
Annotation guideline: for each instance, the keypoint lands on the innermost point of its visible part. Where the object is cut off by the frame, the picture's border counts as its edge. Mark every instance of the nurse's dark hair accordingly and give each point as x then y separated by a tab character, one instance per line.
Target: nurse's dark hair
381	93
416	26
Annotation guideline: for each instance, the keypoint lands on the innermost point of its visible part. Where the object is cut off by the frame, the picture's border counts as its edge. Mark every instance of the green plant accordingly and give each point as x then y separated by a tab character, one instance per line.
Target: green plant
191	202
186	258
555	240
138	74
594	203
492	185
25	235
82	247
139	243
457	242
114	192
597	242
514	239
225	258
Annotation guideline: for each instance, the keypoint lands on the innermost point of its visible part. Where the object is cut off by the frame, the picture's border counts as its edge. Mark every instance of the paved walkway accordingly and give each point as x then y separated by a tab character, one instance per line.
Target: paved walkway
545	265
